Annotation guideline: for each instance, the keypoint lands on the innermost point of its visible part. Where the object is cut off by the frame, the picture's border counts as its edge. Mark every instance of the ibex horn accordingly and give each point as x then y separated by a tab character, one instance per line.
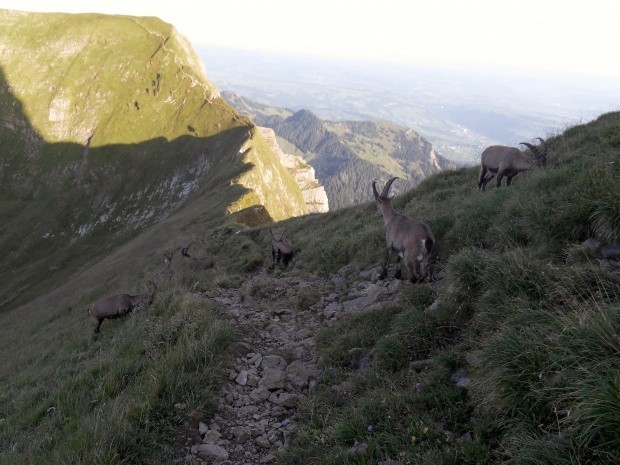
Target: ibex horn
543	146
374	190
533	148
386	189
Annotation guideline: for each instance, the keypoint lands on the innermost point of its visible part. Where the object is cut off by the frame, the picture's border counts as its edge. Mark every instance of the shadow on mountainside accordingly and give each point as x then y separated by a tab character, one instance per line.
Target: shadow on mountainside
65	205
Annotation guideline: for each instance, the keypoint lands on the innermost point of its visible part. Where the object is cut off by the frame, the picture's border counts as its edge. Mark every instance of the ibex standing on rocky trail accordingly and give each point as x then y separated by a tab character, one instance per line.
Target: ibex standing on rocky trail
281	249
115	306
410	239
509	161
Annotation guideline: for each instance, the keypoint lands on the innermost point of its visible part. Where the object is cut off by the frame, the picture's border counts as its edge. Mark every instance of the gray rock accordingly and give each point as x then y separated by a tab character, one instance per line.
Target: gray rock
359	448
260	394
263	441
211	452
591	243
287	400
211	437
433	307
253	380
242	434
273	362
303	334
299	374
242	378
272	380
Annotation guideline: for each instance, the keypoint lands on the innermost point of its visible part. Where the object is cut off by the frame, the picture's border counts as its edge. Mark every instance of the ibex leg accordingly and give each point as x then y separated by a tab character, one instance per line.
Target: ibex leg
486	180
399	265
500	176
388	256
481	178
424	273
413	261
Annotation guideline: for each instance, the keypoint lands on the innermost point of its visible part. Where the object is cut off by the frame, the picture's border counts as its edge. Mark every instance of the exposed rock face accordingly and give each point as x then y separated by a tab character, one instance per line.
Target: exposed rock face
314	194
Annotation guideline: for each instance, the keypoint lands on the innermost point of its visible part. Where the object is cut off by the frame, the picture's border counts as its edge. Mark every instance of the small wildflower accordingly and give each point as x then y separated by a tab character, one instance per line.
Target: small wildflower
371	427
418	386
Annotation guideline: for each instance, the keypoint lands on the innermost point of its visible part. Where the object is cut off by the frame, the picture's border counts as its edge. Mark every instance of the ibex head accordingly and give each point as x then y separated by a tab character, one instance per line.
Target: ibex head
384	200
385	194
540	152
184	250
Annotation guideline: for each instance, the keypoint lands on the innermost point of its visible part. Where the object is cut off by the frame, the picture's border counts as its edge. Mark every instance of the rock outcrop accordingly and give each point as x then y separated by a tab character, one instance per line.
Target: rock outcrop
313	192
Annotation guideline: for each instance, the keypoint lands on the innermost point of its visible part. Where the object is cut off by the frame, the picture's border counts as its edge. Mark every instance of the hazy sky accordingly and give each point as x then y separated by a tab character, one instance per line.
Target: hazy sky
565	36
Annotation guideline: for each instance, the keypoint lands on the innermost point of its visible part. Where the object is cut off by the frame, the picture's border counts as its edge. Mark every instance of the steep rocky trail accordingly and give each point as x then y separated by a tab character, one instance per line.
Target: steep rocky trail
276	362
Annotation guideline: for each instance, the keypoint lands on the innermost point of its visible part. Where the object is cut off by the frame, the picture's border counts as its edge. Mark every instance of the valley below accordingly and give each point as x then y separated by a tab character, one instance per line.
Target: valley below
459	111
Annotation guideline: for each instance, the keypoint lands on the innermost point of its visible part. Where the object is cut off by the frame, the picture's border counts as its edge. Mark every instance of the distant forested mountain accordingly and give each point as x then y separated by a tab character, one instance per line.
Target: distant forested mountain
348	155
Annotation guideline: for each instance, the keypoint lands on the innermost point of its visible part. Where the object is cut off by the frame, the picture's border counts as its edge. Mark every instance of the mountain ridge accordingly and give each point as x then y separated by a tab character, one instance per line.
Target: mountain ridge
108	125
348	154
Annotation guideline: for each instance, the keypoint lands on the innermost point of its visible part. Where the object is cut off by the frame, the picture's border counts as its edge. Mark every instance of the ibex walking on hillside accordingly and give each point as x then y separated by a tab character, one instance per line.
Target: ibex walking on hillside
195	263
166	271
118	305
281	249
410	239
509	161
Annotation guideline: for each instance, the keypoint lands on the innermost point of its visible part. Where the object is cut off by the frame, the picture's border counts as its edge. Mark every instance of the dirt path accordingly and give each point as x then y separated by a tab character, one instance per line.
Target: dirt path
277	362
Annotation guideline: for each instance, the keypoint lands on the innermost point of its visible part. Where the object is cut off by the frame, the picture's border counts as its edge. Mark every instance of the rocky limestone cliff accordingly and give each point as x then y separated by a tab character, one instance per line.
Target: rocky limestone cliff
314	194
269	183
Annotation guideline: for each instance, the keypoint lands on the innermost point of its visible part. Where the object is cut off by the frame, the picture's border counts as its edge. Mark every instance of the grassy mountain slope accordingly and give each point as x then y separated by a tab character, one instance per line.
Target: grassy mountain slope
348	154
108	125
526	318
517	359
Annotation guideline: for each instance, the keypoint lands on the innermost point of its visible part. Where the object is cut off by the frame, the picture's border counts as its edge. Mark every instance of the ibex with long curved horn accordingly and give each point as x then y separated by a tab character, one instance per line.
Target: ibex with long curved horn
410	239
281	249
115	306
195	263
509	161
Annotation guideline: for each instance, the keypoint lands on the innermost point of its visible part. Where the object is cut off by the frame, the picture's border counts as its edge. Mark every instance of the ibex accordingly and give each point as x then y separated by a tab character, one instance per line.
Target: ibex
195	263
281	249
410	239
118	305
166	271
509	161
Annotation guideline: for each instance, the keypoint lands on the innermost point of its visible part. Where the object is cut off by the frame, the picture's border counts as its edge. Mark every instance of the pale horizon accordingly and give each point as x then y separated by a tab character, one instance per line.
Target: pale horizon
552	37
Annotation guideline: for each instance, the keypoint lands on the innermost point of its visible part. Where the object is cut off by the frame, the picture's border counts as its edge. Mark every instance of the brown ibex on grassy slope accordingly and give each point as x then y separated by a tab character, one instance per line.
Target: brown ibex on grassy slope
115	306
502	161
195	263
281	249
411	239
